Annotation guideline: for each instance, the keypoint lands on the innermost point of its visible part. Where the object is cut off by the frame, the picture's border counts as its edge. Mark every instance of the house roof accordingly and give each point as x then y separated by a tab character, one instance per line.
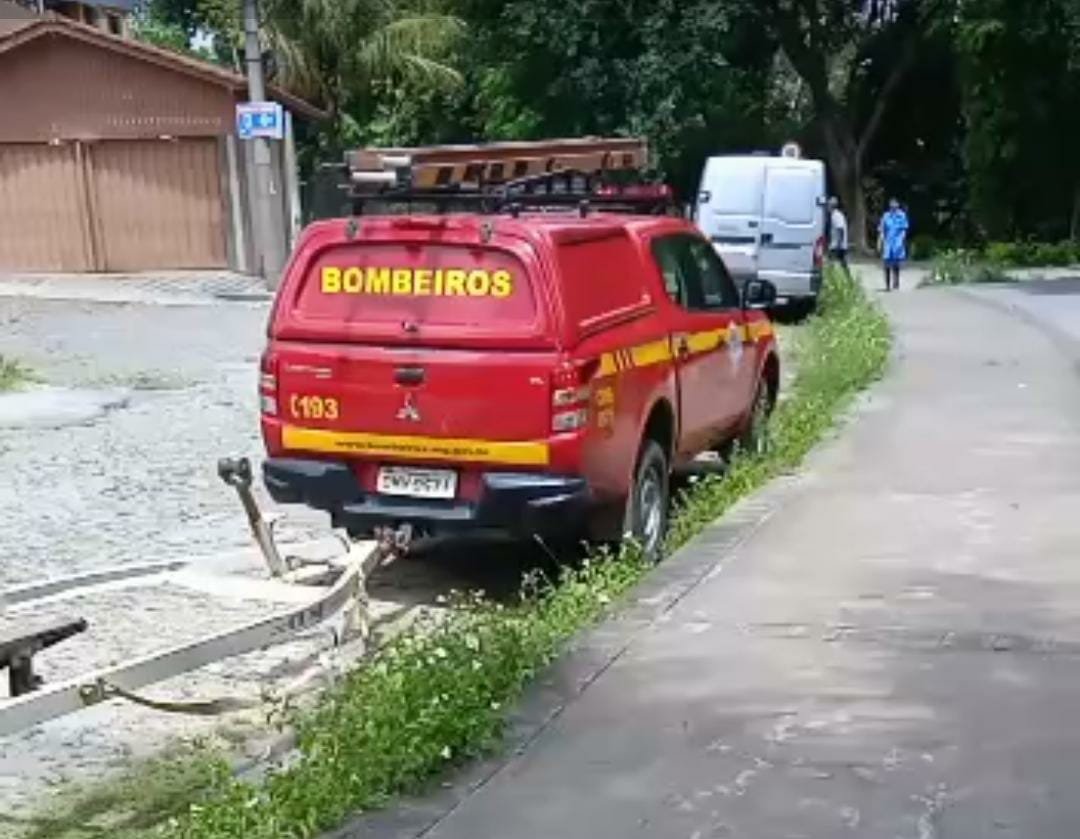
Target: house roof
14	32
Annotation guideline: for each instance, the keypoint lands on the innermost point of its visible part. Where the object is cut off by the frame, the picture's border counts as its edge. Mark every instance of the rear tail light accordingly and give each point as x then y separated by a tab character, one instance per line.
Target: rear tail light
571	393
268	384
819	252
570	420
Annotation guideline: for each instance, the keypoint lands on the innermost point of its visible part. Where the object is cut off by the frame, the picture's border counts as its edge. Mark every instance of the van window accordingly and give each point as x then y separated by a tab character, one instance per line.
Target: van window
791	195
600	276
694	275
439	285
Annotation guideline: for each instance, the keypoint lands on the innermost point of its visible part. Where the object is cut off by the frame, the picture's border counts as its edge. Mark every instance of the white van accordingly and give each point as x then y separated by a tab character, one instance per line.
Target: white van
766	218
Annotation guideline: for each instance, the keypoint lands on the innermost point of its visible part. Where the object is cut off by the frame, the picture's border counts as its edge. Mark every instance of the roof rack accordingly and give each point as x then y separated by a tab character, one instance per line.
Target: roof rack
590	173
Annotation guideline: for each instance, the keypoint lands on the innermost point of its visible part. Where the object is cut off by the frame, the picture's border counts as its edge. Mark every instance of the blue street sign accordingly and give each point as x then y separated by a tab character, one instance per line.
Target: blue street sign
260	119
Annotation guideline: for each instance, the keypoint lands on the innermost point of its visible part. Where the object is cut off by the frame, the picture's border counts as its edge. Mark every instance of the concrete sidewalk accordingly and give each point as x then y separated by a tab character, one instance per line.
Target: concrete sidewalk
151	288
888	646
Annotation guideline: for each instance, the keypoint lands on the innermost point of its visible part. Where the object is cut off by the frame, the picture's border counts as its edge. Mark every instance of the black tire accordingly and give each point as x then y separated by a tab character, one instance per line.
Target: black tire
801	308
646	519
754	439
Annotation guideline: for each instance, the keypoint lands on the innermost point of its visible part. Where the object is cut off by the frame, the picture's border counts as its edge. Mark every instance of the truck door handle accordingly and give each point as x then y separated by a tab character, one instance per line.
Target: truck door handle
766	238
682	347
409	376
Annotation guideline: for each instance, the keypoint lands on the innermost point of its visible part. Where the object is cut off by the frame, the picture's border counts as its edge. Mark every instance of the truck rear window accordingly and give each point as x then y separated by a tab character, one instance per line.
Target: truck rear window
436	285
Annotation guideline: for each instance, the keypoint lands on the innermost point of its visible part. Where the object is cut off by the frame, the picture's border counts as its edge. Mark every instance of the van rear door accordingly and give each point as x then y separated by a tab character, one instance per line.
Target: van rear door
729	208
429	350
792	223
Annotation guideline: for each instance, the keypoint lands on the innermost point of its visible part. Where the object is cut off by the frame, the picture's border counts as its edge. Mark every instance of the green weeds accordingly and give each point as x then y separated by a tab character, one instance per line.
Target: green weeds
436	696
129	806
962	267
12	373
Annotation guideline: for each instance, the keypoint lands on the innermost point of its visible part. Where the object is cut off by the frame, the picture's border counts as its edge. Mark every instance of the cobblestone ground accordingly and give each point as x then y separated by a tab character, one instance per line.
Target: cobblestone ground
137	483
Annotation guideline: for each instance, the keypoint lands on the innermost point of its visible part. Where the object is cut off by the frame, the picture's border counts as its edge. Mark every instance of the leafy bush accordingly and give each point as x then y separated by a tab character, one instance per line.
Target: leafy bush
960	267
927	247
1032	254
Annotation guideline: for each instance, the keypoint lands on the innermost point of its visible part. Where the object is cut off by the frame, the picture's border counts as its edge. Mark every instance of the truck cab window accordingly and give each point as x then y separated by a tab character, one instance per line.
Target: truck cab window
694	275
666	252
718	289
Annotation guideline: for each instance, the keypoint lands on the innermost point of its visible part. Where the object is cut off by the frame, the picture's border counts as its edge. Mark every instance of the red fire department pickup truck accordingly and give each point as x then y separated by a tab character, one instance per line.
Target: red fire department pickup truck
537	373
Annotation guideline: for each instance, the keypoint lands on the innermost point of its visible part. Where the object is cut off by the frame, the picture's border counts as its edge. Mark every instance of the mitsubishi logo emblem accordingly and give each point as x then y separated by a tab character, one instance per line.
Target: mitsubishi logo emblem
408	412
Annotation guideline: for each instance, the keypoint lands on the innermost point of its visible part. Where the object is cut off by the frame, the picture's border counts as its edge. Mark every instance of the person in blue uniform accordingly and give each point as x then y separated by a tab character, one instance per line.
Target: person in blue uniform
892	243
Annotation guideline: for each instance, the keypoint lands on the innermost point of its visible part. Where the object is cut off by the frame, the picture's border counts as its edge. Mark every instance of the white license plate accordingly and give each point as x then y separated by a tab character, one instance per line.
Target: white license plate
417	483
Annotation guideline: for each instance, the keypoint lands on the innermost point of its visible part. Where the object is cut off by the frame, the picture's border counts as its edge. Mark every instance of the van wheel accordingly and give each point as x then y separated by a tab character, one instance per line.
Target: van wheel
801	308
755	439
647	507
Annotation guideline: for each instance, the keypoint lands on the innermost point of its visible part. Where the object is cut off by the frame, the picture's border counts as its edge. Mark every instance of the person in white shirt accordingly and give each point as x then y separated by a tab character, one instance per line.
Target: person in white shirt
838	235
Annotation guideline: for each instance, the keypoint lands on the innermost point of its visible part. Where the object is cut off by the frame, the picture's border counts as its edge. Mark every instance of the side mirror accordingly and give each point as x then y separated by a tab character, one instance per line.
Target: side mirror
758	294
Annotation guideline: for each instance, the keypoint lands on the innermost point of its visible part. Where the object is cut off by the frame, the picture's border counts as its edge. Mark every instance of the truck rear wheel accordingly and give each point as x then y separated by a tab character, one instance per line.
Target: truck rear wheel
647	507
755	439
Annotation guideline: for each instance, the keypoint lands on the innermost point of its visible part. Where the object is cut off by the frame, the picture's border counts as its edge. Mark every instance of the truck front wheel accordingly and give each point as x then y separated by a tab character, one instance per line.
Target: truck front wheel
647	507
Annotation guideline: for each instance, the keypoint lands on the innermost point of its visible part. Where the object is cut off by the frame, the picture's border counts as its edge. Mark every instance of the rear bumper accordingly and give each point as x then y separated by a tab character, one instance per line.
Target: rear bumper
794	285
522	504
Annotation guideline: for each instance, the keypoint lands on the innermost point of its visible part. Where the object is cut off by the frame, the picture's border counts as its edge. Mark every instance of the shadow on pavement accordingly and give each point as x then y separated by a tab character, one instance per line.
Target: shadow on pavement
1051	288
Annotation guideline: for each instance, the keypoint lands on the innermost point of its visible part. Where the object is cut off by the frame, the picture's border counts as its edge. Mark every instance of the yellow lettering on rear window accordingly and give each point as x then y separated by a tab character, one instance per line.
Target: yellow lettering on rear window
378	281
402	281
455	283
420	282
352	280
331	280
501	284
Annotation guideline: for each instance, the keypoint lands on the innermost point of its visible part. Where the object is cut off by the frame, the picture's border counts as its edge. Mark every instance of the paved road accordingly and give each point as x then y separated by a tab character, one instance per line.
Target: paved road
886	647
1055	303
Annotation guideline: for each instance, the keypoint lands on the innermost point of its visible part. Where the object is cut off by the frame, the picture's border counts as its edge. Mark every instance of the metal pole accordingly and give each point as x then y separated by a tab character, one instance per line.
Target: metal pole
292	180
269	243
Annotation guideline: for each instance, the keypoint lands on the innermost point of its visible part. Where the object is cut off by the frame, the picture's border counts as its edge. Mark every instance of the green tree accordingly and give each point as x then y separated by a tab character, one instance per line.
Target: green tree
660	68
853	56
1020	86
338	52
169	24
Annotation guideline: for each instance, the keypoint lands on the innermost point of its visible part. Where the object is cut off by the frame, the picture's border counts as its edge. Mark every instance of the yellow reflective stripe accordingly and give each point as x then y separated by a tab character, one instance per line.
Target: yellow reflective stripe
655	352
659	352
527	453
760	329
700	342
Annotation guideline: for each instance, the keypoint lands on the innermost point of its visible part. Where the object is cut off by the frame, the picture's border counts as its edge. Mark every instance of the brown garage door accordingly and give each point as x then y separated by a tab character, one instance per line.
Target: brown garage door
158	204
43	214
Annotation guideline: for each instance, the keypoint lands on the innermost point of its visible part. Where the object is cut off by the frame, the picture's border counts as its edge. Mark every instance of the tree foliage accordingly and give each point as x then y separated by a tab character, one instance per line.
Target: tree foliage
965	109
1020	104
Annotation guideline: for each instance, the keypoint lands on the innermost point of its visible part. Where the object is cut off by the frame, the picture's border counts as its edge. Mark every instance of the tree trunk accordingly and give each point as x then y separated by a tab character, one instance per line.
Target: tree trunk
845	160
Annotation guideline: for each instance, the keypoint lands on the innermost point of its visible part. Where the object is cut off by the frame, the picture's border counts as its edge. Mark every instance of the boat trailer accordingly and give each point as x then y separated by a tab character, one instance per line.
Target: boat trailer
338	588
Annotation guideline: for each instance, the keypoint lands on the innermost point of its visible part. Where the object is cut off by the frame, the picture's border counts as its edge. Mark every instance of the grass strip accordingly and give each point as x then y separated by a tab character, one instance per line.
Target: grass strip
437	695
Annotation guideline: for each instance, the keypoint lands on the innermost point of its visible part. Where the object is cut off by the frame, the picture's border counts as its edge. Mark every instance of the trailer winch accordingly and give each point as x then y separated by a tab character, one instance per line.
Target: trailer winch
338	600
